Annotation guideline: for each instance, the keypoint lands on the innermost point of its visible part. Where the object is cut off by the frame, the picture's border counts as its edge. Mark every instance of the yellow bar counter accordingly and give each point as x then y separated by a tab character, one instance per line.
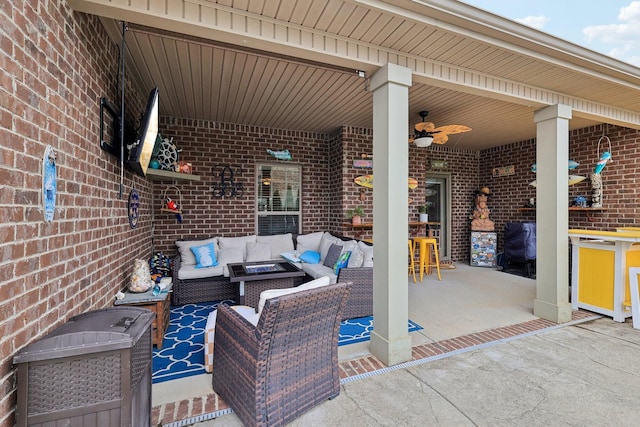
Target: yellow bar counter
600	262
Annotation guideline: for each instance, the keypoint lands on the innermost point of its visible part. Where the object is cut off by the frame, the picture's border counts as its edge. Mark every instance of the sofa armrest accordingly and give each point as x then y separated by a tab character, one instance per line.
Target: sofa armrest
237	330
236	347
177	260
360	302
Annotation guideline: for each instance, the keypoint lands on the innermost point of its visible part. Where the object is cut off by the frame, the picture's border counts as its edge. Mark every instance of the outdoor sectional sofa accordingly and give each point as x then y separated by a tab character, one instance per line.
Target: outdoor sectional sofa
194	285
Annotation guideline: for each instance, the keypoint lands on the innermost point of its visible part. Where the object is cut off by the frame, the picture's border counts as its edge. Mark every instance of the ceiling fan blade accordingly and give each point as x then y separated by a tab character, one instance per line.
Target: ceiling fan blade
424	127
440	138
453	129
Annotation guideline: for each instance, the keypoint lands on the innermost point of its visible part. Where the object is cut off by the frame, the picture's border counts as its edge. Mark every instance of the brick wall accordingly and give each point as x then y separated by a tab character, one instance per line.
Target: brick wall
55	66
209	146
619	178
462	165
354	142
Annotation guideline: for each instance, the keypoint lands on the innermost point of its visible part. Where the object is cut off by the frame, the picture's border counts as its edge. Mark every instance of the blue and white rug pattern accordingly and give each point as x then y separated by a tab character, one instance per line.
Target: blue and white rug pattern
182	353
359	330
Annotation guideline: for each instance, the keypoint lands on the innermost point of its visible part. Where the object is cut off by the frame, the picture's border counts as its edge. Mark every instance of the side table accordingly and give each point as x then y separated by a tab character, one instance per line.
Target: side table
158	304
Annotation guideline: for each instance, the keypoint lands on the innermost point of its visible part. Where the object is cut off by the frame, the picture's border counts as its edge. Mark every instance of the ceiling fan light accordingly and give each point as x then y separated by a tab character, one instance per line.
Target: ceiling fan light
423	141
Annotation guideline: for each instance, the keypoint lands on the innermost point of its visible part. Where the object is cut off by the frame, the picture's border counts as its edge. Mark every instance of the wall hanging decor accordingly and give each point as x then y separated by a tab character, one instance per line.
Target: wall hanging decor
365	161
132	207
280	155
168	155
49	183
227	186
596	179
366	181
172	205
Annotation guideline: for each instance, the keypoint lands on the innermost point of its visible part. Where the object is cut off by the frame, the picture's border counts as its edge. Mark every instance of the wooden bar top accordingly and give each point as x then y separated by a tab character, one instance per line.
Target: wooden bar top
370	224
627	235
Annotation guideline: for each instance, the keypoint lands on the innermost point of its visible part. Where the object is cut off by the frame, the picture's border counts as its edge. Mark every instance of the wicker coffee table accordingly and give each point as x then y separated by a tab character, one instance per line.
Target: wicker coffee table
255	277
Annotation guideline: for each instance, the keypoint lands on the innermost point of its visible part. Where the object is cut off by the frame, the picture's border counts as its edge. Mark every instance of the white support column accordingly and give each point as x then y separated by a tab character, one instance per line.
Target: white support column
552	214
390	341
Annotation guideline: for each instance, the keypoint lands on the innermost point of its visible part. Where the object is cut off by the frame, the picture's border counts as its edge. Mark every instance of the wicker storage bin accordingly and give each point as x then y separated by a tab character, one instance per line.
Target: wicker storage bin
93	370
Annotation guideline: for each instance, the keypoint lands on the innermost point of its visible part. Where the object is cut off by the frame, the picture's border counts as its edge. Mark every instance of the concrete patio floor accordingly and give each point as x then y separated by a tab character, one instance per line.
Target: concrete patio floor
478	326
581	375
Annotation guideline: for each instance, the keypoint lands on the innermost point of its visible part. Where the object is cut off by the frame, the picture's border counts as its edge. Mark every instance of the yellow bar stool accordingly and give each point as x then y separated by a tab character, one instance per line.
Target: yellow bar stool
425	245
412	266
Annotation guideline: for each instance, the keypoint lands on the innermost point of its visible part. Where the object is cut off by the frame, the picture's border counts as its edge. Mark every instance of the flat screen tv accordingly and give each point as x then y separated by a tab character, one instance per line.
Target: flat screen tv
140	151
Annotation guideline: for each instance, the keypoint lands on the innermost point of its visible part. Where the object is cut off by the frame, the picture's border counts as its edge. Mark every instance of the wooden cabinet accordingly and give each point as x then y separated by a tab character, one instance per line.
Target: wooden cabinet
160	321
158	304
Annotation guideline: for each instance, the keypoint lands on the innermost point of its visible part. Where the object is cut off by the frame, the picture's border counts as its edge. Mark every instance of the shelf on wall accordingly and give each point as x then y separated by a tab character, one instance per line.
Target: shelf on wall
571	209
159	174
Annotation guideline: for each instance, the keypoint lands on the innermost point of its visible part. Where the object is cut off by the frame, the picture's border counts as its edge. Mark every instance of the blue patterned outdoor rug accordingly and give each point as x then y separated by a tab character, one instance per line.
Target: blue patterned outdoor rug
182	353
358	330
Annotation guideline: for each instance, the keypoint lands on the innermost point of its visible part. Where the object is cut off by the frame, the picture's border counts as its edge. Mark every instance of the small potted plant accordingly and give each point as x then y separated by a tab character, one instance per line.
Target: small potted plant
422	213
355	215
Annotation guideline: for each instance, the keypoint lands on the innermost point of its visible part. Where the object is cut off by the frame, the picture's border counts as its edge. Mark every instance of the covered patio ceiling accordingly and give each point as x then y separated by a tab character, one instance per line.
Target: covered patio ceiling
289	64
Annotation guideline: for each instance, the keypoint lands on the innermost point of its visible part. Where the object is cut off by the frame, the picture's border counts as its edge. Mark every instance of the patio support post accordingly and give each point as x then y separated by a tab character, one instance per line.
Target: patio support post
552	214
390	341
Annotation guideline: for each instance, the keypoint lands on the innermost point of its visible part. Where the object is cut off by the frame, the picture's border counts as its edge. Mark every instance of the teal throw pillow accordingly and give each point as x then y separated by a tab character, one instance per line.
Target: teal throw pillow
205	255
342	262
310	257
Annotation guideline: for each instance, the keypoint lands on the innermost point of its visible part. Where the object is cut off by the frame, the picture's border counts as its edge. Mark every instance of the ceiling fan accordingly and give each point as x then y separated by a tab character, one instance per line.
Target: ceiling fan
427	133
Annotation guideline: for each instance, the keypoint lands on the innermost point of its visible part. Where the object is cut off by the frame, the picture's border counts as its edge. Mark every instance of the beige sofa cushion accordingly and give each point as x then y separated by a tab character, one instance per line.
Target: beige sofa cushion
309	242
279	243
184	248
318	270
187	272
236	242
325	244
257	251
229	255
367	254
356	258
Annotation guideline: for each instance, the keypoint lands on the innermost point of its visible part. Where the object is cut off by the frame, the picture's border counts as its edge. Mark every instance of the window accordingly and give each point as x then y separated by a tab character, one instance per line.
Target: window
278	199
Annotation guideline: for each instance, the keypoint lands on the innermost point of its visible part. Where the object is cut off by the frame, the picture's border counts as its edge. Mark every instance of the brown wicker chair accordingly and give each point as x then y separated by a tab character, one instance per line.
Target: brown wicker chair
272	373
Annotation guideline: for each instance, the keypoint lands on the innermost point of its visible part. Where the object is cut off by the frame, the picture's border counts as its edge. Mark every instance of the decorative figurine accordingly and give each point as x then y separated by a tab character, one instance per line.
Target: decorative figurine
171	204
606	156
480	218
596	188
581	202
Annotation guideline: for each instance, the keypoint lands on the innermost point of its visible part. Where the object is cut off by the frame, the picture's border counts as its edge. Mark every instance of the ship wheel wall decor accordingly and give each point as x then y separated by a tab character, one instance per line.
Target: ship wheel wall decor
168	155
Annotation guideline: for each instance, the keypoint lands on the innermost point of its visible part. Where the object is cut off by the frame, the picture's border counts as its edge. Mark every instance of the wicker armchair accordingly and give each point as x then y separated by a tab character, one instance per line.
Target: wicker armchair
272	373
